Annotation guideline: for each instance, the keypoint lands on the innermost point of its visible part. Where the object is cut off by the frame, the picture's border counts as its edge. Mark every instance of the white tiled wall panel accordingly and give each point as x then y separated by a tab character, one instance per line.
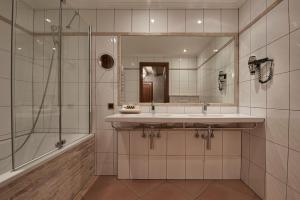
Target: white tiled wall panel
276	145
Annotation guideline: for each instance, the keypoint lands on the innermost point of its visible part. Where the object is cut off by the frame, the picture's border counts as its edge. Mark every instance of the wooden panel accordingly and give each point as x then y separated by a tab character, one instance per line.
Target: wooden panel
61	178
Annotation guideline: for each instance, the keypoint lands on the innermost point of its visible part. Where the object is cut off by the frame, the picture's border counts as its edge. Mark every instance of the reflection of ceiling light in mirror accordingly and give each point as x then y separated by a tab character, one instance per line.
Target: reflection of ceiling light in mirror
53	48
152	21
19	48
184	50
114	40
216	50
199	22
48	20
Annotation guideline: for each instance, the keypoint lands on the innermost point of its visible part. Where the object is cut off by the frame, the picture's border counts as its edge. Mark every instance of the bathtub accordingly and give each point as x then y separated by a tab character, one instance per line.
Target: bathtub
39	149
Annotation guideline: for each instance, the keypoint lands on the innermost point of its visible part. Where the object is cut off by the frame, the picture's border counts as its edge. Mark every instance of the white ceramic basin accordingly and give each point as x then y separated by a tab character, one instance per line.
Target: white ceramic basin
183	118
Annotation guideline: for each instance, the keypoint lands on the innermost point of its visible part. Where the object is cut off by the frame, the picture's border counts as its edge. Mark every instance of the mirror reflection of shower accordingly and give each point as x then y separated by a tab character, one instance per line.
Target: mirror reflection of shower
76	13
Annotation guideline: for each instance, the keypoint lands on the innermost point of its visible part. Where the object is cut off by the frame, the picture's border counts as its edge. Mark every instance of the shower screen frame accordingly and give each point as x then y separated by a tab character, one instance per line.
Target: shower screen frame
60	142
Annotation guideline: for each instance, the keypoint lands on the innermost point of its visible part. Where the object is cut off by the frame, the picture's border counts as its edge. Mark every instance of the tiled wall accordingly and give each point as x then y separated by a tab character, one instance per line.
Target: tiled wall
210	64
271	154
179	155
5	165
106	80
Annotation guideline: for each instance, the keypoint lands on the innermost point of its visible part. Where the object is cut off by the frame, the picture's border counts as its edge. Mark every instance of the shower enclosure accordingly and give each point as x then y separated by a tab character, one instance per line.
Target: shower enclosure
50	79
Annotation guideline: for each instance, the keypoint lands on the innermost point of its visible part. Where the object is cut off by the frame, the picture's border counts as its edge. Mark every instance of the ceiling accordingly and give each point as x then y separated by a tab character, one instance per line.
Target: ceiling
163	45
92	4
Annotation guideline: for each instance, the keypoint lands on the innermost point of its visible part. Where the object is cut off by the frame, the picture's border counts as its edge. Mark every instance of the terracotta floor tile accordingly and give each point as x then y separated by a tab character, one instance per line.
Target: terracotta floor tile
166	191
109	189
216	191
141	187
237	185
193	187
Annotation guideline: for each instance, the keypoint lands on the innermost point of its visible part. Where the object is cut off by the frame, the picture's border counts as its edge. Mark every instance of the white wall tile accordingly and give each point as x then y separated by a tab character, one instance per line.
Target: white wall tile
138	144
212	21
213	167
294	136
294	6
5	36
194	145
216	144
244	94
278	21
295	50
232	143
294	90
176	20
140	21
230	20
276	163
278	88
194	21
105	141
194	167
88	18
160	23
105	164
258	151
123	20
231	167
257	7
257	180
258	94
139	167
244	14
5	8
293	167
246	145
123	166
176	143
105	20
175	167
277	126
245	165
275	190
157	167
258	34
278	51
245	43
160	144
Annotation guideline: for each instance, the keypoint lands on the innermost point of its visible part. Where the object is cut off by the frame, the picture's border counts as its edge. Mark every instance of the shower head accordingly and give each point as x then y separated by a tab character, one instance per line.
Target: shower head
54	30
68	26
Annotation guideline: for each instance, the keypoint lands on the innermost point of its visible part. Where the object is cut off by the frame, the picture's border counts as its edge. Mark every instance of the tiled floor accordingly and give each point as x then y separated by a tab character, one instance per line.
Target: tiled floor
109	188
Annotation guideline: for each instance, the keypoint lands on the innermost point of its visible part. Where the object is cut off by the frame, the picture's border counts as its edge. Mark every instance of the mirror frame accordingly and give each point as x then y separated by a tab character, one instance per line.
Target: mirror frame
120	73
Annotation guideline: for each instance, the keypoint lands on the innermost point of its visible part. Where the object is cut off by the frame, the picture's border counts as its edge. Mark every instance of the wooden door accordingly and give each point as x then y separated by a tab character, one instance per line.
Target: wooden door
147	92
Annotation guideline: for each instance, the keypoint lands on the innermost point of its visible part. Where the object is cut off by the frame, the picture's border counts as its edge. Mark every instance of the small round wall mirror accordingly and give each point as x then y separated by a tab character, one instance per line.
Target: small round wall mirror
106	61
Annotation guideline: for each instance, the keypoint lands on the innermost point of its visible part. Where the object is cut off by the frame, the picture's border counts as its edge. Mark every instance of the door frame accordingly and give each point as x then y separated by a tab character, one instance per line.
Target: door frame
166	85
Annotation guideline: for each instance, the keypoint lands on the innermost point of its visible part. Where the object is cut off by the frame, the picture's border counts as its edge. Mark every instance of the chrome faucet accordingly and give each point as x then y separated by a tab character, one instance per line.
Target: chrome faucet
152	107
204	107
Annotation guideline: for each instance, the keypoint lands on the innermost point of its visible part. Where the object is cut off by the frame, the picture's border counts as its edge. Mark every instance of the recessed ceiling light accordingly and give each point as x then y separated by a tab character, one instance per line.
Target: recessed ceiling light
184	50
48	20
216	50
199	22
152	20
53	48
19	48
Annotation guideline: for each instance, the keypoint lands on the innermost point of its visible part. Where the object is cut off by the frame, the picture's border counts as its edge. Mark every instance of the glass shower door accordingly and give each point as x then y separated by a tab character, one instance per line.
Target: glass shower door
75	76
35	80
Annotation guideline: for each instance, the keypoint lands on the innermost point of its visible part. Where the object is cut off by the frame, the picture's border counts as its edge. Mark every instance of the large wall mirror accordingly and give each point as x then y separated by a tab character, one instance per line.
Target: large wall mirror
178	69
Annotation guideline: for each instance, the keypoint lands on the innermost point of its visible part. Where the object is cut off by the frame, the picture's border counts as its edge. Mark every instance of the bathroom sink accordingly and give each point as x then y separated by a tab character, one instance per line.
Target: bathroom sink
206	115
183	118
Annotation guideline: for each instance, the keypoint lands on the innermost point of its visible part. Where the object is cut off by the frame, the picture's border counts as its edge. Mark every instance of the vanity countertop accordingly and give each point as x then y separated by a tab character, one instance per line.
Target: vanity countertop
184	118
